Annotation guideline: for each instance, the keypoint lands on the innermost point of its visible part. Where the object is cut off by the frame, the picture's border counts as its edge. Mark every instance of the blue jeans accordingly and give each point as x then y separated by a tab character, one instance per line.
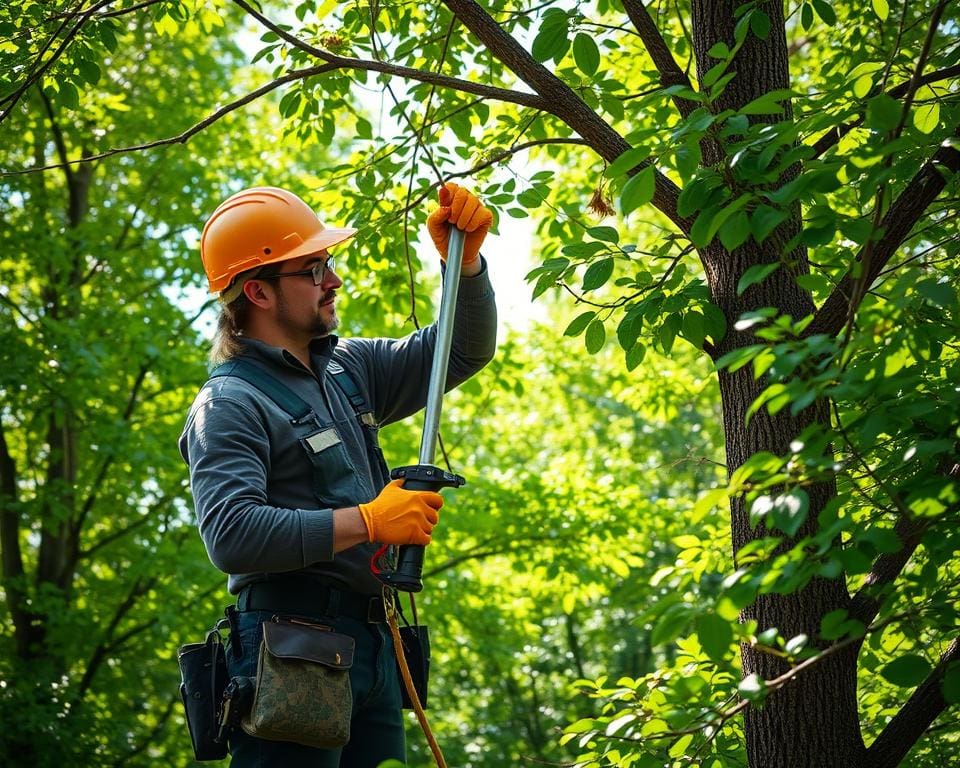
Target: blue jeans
376	727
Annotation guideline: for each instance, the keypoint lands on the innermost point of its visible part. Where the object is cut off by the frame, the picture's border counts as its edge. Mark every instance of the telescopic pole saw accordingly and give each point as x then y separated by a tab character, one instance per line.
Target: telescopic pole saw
425	476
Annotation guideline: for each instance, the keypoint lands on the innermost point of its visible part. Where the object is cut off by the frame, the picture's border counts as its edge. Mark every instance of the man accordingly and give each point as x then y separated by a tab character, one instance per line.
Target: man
293	509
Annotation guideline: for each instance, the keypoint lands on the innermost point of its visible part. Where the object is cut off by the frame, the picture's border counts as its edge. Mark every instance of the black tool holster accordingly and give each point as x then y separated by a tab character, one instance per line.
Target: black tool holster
203	674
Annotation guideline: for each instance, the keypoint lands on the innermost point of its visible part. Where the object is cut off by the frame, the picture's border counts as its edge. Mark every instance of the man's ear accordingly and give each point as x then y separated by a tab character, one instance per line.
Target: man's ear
254	291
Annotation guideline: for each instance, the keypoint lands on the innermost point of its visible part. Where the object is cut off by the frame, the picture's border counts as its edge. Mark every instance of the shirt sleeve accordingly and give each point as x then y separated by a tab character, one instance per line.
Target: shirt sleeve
228	450
397	371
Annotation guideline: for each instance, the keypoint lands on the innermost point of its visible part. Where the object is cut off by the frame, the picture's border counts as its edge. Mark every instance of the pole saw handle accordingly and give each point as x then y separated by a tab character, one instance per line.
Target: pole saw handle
407	576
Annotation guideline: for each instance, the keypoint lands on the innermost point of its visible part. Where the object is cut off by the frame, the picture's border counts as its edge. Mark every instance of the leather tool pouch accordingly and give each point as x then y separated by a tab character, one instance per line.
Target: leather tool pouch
302	686
416	648
203	673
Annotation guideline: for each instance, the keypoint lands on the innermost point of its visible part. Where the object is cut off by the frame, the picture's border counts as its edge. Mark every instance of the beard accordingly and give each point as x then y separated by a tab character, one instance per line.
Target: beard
317	325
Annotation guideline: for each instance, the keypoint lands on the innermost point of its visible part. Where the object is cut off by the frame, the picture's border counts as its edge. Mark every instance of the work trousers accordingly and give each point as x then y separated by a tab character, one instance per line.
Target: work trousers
376	728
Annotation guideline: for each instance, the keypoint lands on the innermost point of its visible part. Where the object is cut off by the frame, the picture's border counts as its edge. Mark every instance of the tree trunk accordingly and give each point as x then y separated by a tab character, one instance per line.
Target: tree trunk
813	720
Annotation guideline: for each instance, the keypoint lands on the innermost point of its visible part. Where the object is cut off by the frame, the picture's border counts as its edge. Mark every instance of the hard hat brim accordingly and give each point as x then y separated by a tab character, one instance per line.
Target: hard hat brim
327	238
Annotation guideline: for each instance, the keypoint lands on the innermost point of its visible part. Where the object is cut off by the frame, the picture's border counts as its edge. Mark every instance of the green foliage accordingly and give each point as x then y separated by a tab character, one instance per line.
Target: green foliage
594	542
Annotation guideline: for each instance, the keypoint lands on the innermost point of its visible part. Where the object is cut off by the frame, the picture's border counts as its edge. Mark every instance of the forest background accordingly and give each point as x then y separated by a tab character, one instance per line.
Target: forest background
712	504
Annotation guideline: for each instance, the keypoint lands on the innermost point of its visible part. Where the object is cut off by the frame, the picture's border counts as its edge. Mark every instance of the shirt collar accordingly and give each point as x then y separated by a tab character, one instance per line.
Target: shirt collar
321	351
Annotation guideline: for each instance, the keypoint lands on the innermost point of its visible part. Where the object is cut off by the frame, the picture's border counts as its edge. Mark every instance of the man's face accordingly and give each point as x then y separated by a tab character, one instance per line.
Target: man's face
305	308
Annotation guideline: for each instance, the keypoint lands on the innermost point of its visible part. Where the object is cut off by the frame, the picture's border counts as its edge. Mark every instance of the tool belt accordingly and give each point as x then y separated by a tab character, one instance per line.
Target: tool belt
304	597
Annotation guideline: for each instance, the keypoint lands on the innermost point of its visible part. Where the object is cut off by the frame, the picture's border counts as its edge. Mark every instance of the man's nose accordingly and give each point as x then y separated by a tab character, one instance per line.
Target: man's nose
331	280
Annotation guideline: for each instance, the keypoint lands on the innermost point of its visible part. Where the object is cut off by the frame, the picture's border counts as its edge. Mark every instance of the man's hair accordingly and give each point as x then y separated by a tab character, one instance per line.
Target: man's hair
233	318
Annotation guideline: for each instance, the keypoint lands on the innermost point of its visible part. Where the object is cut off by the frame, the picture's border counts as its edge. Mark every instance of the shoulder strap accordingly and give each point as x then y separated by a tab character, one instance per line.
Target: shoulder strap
278	392
346	384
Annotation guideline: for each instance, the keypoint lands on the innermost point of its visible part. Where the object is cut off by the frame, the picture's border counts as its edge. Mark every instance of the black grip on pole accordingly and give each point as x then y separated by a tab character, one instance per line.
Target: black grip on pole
419	477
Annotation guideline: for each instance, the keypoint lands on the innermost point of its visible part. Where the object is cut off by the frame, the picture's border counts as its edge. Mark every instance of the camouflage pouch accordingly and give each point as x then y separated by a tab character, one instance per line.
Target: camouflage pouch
302	686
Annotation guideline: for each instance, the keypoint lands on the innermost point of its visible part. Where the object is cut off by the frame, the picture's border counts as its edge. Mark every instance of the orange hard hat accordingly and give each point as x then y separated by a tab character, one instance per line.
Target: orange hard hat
258	226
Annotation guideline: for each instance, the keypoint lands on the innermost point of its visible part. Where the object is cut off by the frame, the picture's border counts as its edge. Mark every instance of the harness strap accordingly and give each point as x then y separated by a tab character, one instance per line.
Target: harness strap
294	406
348	386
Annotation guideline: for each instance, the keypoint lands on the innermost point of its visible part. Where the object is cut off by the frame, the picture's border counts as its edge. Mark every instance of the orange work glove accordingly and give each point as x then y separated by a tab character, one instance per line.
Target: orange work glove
464	211
397	516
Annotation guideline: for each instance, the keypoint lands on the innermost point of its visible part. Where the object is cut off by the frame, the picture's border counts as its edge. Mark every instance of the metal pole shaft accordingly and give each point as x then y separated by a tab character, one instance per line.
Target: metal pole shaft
441	353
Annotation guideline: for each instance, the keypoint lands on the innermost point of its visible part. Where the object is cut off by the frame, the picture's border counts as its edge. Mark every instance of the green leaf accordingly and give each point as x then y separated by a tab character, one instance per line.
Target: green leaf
926	118
626	162
586	54
735	232
764	220
806	16
597	274
694	328
713	74
628	330
635	356
671	624
579	324
687	157
680	746
862	86
883	113
551	41
583	250
735	360
606	234
716	322
825	12
882	9
724	214
767	104
760	24
951	684
545	281
796	644
595	337
290	103
716	635
89	71
753	687
939	293
699	232
719	51
790	510
638	190
756	274
907	671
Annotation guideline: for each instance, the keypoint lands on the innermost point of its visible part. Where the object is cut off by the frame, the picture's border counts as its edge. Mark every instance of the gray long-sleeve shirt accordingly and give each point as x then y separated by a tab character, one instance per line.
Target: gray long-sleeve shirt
265	489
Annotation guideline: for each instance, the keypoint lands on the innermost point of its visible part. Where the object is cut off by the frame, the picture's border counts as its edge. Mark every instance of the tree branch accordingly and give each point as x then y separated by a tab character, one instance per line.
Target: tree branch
904	212
99	654
500	156
182	138
39	71
914	717
670	72
832	137
107	14
408	73
484	549
132	401
127	529
886	568
560	100
151	737
14	578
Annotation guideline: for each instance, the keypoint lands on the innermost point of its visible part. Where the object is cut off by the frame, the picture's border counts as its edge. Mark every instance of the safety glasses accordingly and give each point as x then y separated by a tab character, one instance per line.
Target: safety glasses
318	272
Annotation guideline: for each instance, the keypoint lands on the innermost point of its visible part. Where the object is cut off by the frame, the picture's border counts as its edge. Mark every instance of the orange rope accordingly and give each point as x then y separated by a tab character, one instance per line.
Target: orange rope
408	680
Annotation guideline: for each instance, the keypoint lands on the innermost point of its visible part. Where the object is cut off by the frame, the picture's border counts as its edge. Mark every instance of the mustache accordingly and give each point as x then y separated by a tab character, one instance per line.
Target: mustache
328	296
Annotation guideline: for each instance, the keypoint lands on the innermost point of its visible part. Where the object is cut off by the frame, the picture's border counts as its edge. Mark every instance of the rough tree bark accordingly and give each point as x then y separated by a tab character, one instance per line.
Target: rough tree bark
814	720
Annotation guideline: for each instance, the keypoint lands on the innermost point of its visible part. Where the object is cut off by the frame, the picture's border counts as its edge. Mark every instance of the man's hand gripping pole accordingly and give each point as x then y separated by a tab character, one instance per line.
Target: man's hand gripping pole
425	476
